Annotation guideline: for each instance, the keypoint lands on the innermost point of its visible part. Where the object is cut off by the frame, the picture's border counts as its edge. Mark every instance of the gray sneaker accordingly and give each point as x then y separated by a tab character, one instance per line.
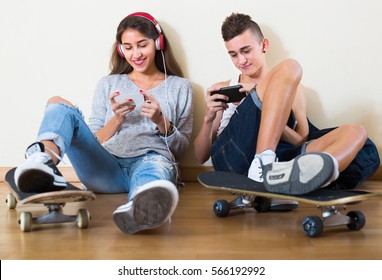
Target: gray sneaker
152	205
255	171
303	174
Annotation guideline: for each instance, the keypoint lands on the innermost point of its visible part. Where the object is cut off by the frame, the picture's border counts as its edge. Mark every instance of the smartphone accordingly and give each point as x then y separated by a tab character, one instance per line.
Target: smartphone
137	98
232	92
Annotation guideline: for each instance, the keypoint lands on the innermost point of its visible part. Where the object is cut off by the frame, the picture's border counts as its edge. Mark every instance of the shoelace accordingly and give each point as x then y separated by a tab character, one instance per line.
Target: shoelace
39	157
261	172
55	154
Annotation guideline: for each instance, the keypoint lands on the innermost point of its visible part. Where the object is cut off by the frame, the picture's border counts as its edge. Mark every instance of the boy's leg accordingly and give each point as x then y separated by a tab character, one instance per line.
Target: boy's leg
277	91
303	174
343	143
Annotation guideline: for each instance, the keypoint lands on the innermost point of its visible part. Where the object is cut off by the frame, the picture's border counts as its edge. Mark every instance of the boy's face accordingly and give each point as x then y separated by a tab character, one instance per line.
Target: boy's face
247	54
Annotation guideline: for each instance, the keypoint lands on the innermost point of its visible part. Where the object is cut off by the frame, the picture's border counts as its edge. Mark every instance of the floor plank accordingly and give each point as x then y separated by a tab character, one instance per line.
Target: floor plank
193	233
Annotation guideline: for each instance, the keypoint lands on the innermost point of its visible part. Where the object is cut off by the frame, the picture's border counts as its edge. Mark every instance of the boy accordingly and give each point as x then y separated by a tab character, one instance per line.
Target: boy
270	124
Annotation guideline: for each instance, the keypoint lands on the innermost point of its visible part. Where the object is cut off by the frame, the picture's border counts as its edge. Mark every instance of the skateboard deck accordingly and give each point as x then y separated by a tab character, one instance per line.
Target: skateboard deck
253	194
54	201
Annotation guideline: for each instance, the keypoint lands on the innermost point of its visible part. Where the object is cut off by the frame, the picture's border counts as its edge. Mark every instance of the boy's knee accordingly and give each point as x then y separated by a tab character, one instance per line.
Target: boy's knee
356	129
292	69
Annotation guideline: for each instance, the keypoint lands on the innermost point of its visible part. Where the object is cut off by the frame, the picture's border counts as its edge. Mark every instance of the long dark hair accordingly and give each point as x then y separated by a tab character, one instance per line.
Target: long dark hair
119	65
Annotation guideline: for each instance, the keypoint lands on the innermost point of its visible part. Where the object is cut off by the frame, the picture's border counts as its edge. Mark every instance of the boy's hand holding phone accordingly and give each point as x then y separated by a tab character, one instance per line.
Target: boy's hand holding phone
233	92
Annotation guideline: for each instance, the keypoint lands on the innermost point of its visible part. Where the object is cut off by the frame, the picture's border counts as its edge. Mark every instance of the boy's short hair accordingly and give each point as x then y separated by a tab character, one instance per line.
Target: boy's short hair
237	23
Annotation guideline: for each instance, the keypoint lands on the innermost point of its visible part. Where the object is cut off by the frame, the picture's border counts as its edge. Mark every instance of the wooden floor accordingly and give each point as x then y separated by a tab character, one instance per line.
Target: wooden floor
194	233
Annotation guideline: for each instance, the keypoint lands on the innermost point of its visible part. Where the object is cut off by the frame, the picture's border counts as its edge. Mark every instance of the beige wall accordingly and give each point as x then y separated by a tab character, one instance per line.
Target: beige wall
62	48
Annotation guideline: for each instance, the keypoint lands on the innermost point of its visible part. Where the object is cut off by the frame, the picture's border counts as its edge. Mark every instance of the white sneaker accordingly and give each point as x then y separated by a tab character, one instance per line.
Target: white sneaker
152	205
255	171
38	173
303	174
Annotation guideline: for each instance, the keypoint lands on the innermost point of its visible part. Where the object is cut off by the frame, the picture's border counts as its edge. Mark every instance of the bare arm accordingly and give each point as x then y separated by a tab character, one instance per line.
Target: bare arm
120	109
210	125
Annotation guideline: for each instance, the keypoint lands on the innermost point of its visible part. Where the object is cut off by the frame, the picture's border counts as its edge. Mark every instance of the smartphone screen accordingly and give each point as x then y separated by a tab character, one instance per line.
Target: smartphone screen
137	98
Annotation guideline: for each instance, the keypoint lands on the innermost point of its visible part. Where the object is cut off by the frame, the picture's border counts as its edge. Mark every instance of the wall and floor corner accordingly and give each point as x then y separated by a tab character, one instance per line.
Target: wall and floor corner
63	49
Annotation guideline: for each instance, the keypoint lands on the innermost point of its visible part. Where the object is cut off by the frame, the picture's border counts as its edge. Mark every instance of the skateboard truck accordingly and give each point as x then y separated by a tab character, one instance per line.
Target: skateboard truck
222	208
54	201
55	215
331	217
254	194
313	226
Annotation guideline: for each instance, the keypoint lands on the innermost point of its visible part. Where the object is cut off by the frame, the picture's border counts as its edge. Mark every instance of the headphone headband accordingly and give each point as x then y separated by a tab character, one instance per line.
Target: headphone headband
148	17
159	42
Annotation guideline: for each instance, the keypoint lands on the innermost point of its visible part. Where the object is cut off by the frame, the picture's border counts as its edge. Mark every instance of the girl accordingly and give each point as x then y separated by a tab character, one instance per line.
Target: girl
129	145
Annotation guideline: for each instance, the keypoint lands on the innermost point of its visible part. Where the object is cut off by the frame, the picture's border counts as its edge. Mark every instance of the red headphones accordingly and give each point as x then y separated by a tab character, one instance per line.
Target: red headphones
159	42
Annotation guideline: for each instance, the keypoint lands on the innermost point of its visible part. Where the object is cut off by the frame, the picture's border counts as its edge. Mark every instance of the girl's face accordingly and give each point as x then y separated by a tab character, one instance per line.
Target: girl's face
139	50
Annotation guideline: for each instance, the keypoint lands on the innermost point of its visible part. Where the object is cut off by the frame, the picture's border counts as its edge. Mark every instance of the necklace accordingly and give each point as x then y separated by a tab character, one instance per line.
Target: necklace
148	87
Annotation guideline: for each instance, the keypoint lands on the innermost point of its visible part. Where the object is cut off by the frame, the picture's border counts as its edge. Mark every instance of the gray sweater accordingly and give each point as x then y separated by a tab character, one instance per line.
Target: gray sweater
137	136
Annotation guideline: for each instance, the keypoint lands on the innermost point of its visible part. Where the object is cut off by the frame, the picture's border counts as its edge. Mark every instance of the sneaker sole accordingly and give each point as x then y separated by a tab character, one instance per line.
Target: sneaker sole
37	181
294	186
152	208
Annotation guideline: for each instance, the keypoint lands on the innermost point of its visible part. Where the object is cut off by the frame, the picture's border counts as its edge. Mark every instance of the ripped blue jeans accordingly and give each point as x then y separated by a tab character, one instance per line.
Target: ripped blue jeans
99	170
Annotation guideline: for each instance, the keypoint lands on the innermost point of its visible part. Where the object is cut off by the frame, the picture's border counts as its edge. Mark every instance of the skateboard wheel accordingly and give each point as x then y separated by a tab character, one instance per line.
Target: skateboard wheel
221	208
262	204
312	226
357	220
83	217
11	201
26	221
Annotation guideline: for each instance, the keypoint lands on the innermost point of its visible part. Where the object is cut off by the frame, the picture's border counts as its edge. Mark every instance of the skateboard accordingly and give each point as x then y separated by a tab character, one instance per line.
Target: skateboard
253	194
54	201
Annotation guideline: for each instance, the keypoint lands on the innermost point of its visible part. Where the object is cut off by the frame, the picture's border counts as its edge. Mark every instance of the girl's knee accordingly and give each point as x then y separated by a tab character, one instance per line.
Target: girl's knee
58	99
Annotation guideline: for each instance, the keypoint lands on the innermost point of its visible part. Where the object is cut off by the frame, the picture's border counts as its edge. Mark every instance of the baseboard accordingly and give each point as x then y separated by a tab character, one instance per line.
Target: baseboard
377	176
188	173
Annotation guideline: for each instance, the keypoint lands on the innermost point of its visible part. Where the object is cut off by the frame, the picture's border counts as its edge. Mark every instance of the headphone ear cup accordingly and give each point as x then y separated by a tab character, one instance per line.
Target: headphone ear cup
120	50
159	43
